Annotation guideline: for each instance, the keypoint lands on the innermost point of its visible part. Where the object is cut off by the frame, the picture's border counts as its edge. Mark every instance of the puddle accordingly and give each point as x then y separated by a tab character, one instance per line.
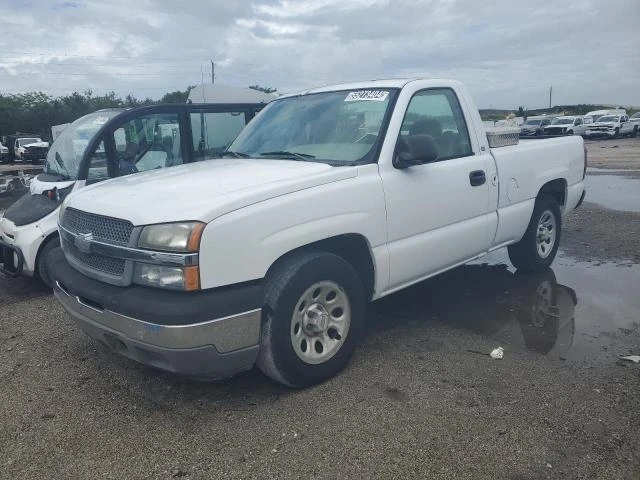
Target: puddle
614	192
576	310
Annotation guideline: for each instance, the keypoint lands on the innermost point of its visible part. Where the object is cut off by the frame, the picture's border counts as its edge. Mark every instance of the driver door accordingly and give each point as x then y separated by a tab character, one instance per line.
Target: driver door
146	140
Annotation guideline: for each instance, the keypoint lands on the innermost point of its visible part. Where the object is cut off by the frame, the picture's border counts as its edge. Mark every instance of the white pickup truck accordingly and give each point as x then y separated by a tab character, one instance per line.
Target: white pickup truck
612	126
328	199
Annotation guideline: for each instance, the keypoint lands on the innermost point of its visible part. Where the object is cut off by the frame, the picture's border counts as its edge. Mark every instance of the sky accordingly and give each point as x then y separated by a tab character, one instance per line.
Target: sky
507	52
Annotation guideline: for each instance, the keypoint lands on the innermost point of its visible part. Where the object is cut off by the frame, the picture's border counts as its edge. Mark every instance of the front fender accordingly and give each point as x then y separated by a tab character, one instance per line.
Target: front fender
241	245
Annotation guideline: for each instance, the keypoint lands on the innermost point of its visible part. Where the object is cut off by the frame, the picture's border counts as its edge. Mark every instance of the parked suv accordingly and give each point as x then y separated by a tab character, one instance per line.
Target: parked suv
534	126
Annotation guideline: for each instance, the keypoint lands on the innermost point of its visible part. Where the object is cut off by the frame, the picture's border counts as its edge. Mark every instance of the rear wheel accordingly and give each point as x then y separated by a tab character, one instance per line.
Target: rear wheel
537	249
313	318
41	267
635	132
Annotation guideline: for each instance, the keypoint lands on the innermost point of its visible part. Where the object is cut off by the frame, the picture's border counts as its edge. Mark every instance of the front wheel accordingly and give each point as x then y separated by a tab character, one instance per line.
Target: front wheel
570	132
539	246
42	267
616	132
312	320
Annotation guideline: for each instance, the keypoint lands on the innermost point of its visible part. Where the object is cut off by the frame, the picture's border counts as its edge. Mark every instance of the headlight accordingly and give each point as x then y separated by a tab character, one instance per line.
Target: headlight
172	237
173	278
63	207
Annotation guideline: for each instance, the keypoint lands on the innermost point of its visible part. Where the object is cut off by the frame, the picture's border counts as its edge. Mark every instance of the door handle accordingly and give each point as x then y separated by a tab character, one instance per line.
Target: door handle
477	178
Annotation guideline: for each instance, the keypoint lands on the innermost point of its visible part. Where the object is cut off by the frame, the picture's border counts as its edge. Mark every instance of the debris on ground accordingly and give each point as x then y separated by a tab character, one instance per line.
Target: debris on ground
497	353
631	358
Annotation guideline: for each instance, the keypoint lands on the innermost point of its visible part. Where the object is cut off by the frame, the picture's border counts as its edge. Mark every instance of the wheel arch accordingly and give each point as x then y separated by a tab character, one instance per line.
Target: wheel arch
352	247
557	188
49	238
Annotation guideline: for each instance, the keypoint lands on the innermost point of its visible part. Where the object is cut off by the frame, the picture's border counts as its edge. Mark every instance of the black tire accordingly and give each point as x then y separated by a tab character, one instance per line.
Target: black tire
41	266
525	255
570	132
285	285
538	312
634	134
616	132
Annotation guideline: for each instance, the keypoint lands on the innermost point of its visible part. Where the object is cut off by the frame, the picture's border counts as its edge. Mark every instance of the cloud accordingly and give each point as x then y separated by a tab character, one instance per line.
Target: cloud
65	5
508	53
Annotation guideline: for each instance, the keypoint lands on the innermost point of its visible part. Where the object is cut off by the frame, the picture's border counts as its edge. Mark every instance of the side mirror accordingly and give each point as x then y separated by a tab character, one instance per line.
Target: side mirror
415	150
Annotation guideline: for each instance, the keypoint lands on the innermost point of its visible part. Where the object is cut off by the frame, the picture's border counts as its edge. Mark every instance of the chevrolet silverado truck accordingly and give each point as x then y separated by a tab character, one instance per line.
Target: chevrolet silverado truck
107	144
612	126
327	200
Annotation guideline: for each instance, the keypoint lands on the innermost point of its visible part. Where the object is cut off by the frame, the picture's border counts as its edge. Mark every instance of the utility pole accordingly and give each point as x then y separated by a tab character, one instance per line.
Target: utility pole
213	72
550	92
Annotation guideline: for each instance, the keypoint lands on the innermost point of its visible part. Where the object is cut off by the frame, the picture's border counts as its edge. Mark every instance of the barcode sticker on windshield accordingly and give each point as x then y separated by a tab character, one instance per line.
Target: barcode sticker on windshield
373	95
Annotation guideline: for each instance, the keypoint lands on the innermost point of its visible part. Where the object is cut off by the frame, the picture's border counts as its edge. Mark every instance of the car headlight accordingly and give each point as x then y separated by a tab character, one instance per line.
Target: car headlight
63	207
172	237
173	278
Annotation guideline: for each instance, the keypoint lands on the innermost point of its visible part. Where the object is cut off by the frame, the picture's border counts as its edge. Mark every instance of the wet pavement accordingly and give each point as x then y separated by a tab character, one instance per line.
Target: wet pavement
576	310
617	192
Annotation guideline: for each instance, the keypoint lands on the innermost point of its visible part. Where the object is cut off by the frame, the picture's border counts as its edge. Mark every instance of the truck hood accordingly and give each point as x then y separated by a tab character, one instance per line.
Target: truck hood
201	191
36	144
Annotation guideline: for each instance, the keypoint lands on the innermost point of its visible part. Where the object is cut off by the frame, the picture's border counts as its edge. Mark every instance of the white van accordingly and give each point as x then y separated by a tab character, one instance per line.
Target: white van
596	114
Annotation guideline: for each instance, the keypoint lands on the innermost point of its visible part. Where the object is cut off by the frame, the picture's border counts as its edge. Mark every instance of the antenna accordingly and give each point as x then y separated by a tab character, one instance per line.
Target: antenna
202	82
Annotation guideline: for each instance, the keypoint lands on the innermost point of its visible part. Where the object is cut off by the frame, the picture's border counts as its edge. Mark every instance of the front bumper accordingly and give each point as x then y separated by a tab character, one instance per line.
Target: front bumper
212	334
11	260
599	133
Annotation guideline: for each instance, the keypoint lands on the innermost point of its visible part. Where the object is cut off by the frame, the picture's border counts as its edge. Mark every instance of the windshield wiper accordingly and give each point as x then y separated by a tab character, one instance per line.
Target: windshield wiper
289	155
235	154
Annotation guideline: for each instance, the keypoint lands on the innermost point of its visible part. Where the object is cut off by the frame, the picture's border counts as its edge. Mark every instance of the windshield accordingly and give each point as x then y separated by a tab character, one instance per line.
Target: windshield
562	121
608	118
65	154
636	115
338	128
532	122
26	141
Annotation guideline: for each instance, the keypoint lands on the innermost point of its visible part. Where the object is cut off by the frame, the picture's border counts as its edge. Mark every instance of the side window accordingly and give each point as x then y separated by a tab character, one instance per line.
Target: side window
546	122
437	112
578	121
213	132
147	142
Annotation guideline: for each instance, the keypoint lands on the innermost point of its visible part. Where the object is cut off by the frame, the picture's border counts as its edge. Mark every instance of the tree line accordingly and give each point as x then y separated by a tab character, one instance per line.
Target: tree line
36	112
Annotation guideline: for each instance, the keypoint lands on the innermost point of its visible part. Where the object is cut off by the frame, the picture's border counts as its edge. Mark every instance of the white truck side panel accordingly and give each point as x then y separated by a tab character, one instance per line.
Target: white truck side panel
523	169
241	245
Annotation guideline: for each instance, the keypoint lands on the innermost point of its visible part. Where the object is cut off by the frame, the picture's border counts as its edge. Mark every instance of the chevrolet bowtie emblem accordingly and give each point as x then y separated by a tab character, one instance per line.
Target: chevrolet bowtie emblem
83	242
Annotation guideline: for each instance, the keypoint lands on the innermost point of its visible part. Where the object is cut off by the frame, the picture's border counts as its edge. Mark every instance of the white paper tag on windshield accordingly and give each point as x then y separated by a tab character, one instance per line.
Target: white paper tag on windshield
101	120
373	95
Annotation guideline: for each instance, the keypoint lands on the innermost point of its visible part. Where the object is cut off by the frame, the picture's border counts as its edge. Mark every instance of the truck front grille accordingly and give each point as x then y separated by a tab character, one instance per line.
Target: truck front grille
100	263
103	228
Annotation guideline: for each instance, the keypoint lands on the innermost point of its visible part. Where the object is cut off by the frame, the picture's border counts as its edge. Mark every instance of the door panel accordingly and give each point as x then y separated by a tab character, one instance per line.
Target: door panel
436	218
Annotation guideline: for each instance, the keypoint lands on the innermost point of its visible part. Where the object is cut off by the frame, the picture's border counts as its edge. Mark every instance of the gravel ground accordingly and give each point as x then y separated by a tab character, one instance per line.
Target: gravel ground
596	233
417	401
614	153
